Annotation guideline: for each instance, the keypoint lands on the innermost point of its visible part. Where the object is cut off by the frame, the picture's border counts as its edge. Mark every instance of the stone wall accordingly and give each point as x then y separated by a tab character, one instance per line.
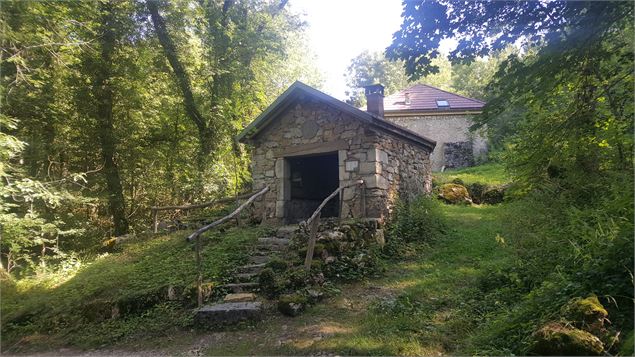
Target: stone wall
446	128
388	165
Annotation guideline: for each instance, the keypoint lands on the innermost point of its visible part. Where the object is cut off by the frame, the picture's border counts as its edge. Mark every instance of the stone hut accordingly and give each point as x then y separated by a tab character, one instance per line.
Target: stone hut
443	116
307	144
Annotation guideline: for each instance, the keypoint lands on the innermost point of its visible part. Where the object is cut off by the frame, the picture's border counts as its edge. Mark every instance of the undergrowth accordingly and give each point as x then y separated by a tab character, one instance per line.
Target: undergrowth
119	294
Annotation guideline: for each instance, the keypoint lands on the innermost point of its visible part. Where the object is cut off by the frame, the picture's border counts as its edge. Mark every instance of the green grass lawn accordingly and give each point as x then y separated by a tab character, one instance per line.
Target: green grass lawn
491	174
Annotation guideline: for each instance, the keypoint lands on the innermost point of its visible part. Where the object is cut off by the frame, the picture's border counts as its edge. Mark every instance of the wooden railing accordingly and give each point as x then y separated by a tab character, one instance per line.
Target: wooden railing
155	210
197	236
313	222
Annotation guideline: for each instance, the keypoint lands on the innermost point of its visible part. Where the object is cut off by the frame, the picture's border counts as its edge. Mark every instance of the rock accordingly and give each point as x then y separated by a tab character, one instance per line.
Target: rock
455	194
588	313
292	304
239	297
494	195
227	313
240	287
476	191
555	339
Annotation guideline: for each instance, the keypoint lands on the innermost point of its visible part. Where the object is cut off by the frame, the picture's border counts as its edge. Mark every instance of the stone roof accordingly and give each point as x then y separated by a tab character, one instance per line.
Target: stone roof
424	98
299	89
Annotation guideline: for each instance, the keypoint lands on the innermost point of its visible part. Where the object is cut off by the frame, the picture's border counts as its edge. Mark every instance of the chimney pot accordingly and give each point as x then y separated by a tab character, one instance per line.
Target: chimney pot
375	99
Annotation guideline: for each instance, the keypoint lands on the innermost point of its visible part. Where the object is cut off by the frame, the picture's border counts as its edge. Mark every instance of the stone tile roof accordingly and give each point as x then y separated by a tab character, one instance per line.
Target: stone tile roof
424	98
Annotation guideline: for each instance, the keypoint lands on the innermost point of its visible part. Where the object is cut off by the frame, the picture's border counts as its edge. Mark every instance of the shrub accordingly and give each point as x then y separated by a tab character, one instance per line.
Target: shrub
418	221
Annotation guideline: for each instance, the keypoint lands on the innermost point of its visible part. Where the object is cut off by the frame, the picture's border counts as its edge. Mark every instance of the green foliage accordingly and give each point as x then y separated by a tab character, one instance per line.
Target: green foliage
419	221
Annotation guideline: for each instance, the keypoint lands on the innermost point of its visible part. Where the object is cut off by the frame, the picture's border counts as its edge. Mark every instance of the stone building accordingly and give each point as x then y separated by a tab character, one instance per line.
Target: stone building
307	144
442	116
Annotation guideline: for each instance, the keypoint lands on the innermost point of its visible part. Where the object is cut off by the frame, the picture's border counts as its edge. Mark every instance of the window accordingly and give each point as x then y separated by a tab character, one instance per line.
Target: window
442	103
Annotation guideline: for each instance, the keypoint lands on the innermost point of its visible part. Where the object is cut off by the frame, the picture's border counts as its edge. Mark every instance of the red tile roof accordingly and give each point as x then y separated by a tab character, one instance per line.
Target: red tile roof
424	98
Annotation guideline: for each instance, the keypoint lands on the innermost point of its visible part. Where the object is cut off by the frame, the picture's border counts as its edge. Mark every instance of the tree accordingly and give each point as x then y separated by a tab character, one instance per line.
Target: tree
575	70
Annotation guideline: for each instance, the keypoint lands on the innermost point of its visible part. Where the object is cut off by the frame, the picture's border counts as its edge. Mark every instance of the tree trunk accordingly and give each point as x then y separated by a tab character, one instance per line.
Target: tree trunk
183	80
103	94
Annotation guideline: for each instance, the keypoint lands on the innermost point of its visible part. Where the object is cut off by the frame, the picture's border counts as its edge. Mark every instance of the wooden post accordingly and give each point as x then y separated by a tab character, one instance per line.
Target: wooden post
155	222
264	209
312	238
199	278
341	205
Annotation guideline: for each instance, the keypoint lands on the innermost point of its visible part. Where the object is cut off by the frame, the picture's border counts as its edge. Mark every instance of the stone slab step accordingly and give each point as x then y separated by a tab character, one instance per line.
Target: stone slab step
227	313
246	277
240	297
240	287
259	259
286	231
251	268
274	241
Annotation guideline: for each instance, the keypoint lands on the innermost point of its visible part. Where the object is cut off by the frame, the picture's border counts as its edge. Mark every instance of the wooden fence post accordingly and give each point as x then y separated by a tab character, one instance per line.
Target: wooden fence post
264	209
155	222
341	206
312	238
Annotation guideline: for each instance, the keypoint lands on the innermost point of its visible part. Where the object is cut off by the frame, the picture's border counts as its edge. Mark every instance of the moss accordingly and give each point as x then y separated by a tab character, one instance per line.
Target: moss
494	195
555	339
277	264
457	181
585	312
476	191
453	193
267	281
292	304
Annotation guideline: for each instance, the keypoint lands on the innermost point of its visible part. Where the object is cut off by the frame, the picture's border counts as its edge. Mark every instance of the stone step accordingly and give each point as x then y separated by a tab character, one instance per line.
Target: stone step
271	248
274	241
259	259
246	277
240	287
286	232
239	297
228	313
251	268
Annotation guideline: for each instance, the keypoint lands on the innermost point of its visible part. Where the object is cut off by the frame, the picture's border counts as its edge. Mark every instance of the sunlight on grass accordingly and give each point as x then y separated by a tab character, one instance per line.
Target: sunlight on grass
491	174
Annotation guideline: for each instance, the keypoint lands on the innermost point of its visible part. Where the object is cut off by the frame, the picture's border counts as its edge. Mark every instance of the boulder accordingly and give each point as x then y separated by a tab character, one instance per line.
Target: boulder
476	191
587	313
292	304
454	194
556	339
493	195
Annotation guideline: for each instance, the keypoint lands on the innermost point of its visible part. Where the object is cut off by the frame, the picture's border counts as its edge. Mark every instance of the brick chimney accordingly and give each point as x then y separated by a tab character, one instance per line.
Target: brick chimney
375	99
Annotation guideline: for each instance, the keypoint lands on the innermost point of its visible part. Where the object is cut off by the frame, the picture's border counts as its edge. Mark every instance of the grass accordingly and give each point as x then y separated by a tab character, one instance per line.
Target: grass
68	309
491	174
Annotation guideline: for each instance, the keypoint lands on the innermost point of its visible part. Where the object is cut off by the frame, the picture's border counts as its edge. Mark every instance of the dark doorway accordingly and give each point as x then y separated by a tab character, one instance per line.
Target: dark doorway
312	179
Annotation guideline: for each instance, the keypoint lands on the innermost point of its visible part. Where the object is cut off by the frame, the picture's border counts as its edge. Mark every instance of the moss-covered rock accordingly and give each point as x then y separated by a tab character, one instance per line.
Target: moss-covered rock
556	339
493	195
476	191
292	304
585	313
454	194
457	181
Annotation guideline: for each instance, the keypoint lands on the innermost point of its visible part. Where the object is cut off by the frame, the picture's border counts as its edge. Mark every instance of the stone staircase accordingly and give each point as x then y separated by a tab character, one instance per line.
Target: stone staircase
242	303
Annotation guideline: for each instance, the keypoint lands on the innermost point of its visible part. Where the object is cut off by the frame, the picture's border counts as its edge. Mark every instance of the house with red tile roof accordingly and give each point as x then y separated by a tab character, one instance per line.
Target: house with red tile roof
441	116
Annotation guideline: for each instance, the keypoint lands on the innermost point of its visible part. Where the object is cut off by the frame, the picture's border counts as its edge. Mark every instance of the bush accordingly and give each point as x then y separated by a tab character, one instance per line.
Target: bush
418	221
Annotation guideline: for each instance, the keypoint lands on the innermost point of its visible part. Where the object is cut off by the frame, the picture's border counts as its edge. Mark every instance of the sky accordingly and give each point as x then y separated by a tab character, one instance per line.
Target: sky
339	30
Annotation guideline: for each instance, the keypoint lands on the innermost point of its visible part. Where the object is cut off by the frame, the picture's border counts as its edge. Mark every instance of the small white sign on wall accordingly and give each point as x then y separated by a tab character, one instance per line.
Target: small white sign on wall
352	166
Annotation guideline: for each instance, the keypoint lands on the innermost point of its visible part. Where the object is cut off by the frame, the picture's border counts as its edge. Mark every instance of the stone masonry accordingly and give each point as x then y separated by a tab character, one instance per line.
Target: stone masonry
391	167
445	129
